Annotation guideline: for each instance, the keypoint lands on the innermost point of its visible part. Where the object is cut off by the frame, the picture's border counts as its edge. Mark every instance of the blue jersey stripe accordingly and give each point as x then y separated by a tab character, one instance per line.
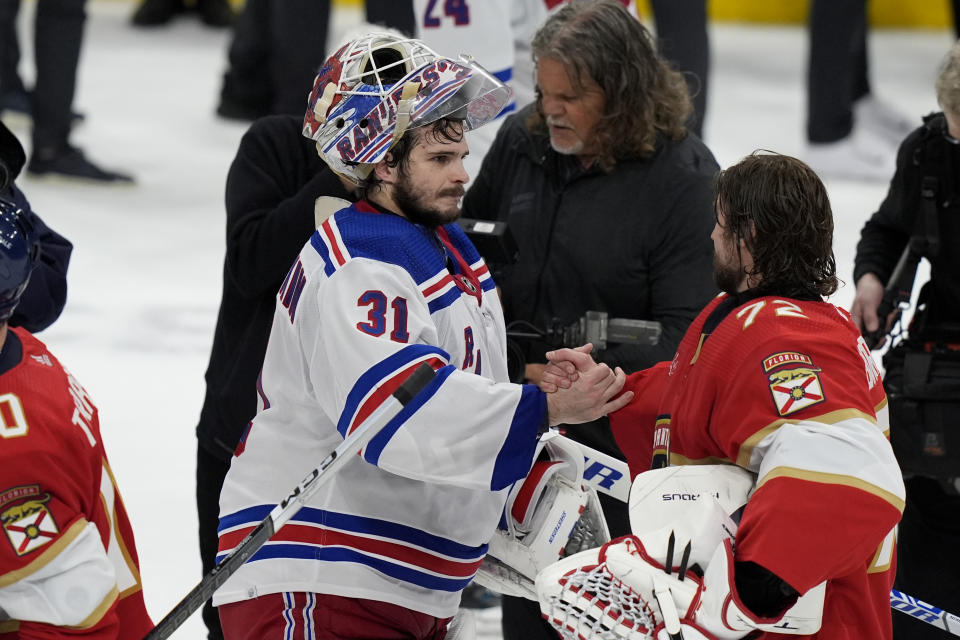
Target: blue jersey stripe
379	442
363	525
340	554
378	373
516	454
251	516
321	248
445	300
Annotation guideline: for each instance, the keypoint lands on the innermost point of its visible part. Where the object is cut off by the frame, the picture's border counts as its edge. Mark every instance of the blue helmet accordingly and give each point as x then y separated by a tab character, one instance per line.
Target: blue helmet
19	252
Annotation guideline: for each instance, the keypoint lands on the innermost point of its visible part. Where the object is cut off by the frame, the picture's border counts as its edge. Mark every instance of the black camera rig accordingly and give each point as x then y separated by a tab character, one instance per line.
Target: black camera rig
496	244
595	327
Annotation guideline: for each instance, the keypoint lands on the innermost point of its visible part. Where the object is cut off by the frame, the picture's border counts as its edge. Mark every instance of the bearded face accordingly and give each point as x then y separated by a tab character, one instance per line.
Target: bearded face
428	206
729	273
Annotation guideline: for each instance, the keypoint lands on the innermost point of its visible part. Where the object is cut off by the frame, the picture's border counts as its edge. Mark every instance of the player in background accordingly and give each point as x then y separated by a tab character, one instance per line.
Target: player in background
384	549
775	380
68	563
483	30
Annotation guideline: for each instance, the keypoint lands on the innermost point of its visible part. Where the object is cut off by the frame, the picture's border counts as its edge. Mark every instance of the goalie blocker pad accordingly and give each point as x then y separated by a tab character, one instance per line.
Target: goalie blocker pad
621	591
550	510
697	504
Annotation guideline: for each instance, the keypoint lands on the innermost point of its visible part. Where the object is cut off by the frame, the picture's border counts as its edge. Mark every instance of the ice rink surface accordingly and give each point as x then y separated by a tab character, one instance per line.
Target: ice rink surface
144	282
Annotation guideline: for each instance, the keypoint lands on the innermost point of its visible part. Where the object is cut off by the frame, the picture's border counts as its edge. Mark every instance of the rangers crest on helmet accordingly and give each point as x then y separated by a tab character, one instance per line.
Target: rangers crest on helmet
376	87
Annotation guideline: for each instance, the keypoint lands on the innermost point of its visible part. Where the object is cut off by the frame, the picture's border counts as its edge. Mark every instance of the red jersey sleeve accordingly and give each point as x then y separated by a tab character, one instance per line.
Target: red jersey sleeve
634	425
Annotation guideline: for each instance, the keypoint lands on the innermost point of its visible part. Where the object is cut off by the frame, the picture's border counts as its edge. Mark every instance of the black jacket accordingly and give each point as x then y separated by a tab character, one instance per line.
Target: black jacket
925	152
271	188
634	242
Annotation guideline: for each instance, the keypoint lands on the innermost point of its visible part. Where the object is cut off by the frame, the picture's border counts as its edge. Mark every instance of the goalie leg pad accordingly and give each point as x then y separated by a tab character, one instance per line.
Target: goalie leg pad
722	607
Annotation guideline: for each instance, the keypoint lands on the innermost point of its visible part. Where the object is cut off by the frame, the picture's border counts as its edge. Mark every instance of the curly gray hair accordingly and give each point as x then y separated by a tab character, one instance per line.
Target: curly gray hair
948	81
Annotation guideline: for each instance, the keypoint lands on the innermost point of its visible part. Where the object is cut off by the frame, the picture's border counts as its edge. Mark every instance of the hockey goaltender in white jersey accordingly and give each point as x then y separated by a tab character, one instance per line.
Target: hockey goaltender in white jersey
372	296
367	297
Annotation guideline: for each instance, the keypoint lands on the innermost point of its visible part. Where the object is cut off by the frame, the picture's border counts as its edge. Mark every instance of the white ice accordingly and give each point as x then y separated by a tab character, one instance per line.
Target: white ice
146	272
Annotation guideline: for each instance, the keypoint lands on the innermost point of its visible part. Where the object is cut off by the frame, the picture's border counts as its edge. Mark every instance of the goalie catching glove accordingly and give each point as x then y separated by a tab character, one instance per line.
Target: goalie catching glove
550	512
619	591
642	586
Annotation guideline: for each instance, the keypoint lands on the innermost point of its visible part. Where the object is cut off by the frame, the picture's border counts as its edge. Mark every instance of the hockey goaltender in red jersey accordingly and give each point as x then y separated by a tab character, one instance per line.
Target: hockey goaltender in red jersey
68	564
774	380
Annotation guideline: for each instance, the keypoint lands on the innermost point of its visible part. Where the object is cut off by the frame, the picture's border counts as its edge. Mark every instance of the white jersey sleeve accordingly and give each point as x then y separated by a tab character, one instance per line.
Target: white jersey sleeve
464	429
72	584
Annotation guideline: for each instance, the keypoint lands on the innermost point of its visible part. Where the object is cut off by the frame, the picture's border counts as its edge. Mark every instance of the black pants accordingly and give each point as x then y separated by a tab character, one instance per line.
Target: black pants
837	68
521	617
211	471
682	39
955	5
396	14
276	50
928	555
58	35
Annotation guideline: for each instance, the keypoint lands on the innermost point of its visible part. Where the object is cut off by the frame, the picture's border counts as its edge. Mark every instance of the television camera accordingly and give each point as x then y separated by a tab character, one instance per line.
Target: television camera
495	243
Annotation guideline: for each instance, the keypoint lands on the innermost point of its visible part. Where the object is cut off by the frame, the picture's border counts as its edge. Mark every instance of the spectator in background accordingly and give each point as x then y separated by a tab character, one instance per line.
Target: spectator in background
273	56
393	14
58	36
923	369
604	221
152	13
498	32
682	38
851	133
42	301
276	49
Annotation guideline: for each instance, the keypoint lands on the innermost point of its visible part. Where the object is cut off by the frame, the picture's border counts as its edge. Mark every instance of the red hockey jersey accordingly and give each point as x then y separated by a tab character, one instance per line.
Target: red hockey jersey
788	390
67	557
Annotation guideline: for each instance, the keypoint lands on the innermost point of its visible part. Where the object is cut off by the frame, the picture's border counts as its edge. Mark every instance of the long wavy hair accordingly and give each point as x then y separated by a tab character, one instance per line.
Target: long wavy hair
643	96
948	81
779	207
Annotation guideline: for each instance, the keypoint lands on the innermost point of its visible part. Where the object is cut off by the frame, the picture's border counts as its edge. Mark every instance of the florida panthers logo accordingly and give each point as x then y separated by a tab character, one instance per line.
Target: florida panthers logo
794	382
29	524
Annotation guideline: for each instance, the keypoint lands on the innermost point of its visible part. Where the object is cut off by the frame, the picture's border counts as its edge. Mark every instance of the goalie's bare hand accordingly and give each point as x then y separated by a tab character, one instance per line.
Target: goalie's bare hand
594	394
564	367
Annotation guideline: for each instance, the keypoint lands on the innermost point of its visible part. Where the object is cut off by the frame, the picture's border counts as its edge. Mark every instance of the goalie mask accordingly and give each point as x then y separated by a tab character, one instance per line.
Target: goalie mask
375	88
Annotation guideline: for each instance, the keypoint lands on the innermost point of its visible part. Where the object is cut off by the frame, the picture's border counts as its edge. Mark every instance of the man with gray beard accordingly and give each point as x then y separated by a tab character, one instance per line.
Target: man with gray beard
609	197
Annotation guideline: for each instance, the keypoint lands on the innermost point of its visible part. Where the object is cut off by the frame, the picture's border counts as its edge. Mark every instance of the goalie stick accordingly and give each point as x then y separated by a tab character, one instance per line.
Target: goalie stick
289	506
604	473
612	476
924	611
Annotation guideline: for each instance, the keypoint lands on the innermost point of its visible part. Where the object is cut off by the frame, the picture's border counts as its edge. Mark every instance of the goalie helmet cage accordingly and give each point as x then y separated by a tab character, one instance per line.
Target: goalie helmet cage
289	506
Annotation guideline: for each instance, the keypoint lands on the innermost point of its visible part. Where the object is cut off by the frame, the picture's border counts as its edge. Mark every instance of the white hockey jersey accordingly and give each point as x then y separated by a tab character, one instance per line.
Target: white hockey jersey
370	298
